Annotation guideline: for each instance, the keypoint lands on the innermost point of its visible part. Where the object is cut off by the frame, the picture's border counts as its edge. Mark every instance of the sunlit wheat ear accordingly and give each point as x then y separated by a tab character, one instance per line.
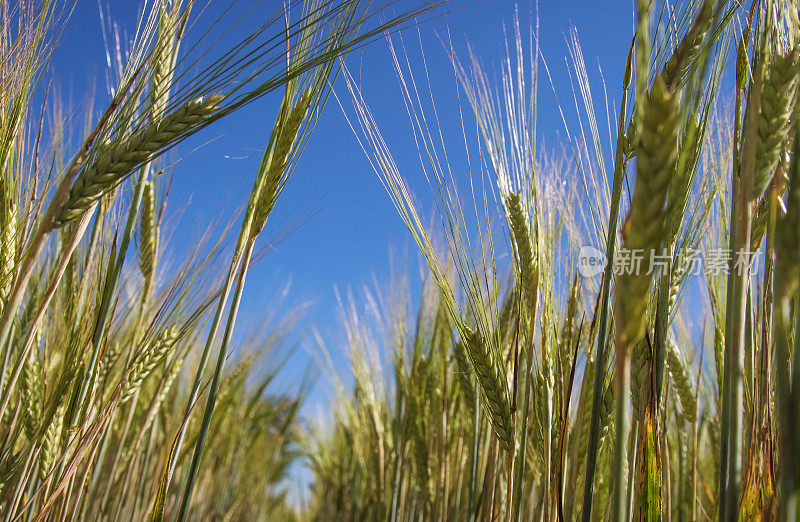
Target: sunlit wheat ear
518	222
464	373
158	350
164	58
164	392
148	230
787	233
777	104
579	436
108	360
542	395
645	225
760	220
680	378
681	183
419	441
31	394
680	270
286	137
538	396
640	369
50	443
8	249
493	385
114	161
683	57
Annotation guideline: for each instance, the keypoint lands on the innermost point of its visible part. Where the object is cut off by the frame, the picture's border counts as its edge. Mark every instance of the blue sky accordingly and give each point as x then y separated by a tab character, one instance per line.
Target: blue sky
350	237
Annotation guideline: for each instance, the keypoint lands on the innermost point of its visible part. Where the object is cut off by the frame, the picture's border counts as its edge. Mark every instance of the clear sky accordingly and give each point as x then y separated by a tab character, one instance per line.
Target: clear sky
349	239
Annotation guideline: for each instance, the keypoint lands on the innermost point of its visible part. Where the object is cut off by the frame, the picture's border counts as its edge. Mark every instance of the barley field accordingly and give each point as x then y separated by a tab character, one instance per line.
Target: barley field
597	328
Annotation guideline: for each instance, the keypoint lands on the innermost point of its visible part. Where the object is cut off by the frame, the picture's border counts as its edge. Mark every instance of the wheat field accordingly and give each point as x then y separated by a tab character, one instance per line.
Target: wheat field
604	330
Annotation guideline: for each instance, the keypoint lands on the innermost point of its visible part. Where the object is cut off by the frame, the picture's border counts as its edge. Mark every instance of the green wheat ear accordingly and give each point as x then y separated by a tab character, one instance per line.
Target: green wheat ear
115	161
685	54
760	220
159	399
8	250
579	436
419	442
787	233
108	360
8	236
164	58
777	103
680	378
518	222
493	385
287	133
646	223
464	373
640	369
31	394
681	184
146	362
50	443
148	247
